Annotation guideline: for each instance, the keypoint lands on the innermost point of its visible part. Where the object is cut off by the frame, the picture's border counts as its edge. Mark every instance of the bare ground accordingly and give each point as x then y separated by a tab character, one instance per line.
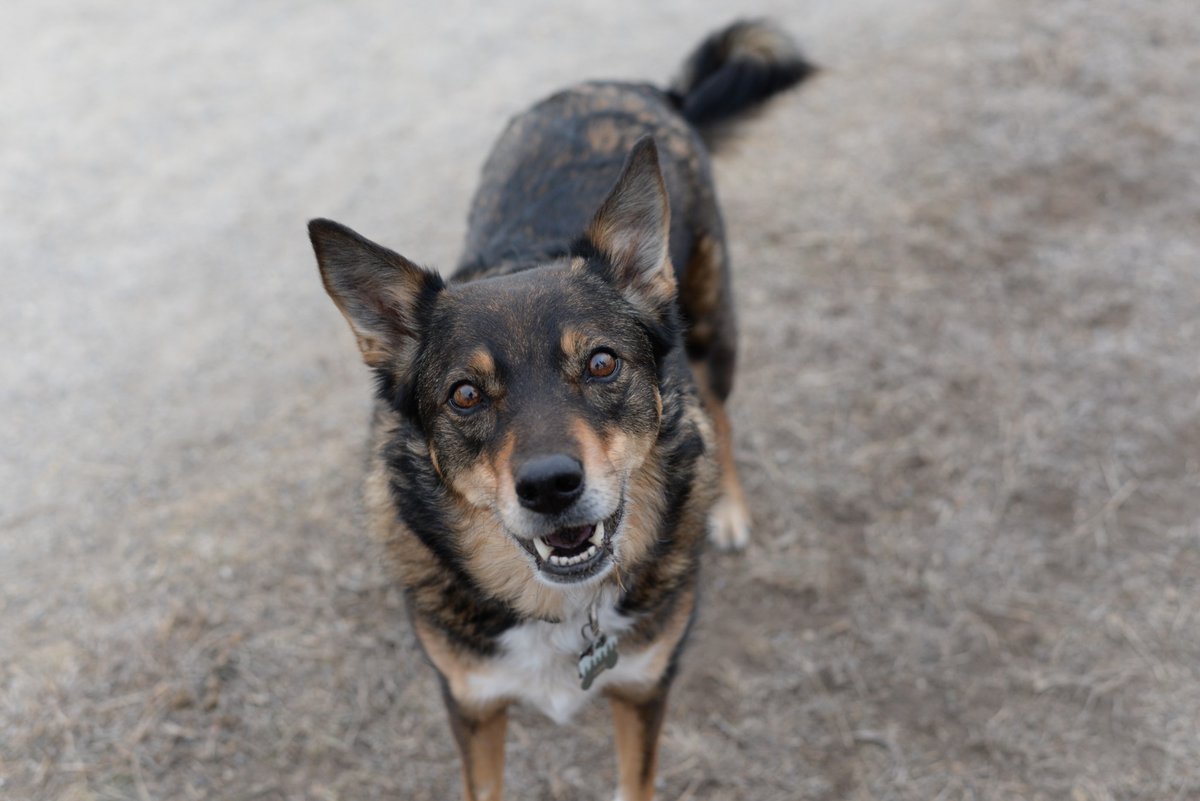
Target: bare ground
968	413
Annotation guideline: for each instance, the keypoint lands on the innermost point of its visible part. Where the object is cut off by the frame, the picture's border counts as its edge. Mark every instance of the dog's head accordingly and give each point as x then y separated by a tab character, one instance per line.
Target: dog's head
538	391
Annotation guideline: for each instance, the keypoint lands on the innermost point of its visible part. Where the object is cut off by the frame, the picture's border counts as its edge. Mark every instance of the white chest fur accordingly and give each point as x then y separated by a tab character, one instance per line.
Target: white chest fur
539	663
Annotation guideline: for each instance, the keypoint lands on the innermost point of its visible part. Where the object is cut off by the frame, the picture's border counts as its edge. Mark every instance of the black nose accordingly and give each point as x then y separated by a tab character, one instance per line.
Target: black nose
549	484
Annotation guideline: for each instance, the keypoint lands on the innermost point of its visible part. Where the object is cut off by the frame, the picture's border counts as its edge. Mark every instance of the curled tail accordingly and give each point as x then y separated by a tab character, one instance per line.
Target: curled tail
734	71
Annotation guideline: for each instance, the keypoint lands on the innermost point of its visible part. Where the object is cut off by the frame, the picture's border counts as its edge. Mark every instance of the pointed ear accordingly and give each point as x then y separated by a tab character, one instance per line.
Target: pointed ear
380	293
632	229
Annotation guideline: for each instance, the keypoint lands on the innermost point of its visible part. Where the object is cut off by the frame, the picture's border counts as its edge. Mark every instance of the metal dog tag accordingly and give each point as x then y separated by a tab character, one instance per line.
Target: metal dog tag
600	656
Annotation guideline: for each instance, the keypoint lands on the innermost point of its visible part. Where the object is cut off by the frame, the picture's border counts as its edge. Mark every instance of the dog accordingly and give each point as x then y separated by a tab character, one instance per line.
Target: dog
550	443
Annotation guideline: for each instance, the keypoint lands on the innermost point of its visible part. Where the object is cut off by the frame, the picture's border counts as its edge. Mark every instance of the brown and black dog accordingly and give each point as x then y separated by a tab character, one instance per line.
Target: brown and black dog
550	442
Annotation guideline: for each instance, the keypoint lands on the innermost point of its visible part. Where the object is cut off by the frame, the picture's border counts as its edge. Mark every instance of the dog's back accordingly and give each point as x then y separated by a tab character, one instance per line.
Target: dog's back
555	163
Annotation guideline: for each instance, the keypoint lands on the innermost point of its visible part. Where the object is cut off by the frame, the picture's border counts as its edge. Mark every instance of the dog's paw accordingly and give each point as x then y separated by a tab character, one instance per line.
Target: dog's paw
620	796
729	524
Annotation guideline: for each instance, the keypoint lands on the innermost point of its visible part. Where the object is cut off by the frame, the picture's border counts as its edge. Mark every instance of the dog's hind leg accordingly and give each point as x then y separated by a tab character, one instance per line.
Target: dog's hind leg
480	738
707	304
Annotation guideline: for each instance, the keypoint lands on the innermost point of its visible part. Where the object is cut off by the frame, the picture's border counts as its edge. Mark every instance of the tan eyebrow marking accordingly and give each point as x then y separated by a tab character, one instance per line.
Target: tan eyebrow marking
481	362
573	342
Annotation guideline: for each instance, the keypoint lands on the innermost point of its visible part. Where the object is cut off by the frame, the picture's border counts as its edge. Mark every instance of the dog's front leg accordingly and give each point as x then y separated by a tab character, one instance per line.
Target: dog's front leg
637	721
480	737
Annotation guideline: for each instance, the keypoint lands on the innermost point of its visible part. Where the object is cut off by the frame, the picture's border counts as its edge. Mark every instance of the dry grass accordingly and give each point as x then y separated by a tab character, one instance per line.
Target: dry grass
968	415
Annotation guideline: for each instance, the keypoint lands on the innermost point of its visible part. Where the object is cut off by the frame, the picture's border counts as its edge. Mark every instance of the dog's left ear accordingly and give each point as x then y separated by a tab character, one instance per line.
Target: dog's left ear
632	229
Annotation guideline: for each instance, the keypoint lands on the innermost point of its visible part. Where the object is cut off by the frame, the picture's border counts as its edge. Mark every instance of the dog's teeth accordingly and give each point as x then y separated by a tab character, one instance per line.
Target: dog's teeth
598	537
565	561
542	548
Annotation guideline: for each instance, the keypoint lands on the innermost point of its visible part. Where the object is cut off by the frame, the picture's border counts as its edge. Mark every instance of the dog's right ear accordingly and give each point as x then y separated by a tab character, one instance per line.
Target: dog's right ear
381	294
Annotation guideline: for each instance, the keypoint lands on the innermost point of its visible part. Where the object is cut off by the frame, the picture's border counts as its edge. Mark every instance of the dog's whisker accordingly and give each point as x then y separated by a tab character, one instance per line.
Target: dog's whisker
616	563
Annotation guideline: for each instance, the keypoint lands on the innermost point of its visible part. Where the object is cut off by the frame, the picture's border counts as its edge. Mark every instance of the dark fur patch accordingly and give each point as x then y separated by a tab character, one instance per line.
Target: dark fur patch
449	599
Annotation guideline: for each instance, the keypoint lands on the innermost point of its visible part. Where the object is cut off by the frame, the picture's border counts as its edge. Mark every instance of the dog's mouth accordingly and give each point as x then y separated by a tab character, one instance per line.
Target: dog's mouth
575	553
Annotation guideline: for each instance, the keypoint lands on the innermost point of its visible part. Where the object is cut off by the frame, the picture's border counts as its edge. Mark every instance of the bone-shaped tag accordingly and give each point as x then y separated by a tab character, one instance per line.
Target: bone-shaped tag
600	656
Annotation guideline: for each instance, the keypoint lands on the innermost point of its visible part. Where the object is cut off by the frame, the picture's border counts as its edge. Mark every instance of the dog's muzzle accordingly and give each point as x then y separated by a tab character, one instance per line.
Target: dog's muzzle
576	553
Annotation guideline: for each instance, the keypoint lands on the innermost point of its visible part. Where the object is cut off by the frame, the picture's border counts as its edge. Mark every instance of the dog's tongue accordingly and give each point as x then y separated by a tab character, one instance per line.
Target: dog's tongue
569	537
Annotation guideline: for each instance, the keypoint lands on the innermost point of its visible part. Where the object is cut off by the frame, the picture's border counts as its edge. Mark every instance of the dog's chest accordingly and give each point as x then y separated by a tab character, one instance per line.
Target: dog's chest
539	664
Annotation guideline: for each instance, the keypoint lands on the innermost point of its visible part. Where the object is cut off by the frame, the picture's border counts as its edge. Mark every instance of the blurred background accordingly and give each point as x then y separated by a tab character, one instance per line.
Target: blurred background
968	413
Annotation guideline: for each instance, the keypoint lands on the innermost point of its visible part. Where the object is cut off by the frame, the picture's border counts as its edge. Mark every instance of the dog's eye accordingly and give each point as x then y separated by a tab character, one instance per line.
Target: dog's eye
465	397
602	365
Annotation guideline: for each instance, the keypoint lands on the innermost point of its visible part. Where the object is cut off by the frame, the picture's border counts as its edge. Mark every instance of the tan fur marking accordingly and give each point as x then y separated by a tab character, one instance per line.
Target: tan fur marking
678	144
451	662
644	508
374	354
662	284
701	289
482	363
636	729
505	483
731	519
603	135
591	450
658	284
626	456
373	351
377	347
667	640
699	295
483	767
644	502
481	484
673	632
573	342
627	451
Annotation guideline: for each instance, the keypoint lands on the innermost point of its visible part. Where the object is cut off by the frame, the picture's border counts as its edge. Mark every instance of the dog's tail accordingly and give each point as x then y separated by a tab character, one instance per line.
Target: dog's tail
734	71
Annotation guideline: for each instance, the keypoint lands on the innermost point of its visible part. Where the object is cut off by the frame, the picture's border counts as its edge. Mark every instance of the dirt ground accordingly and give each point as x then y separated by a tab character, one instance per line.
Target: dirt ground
968	267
